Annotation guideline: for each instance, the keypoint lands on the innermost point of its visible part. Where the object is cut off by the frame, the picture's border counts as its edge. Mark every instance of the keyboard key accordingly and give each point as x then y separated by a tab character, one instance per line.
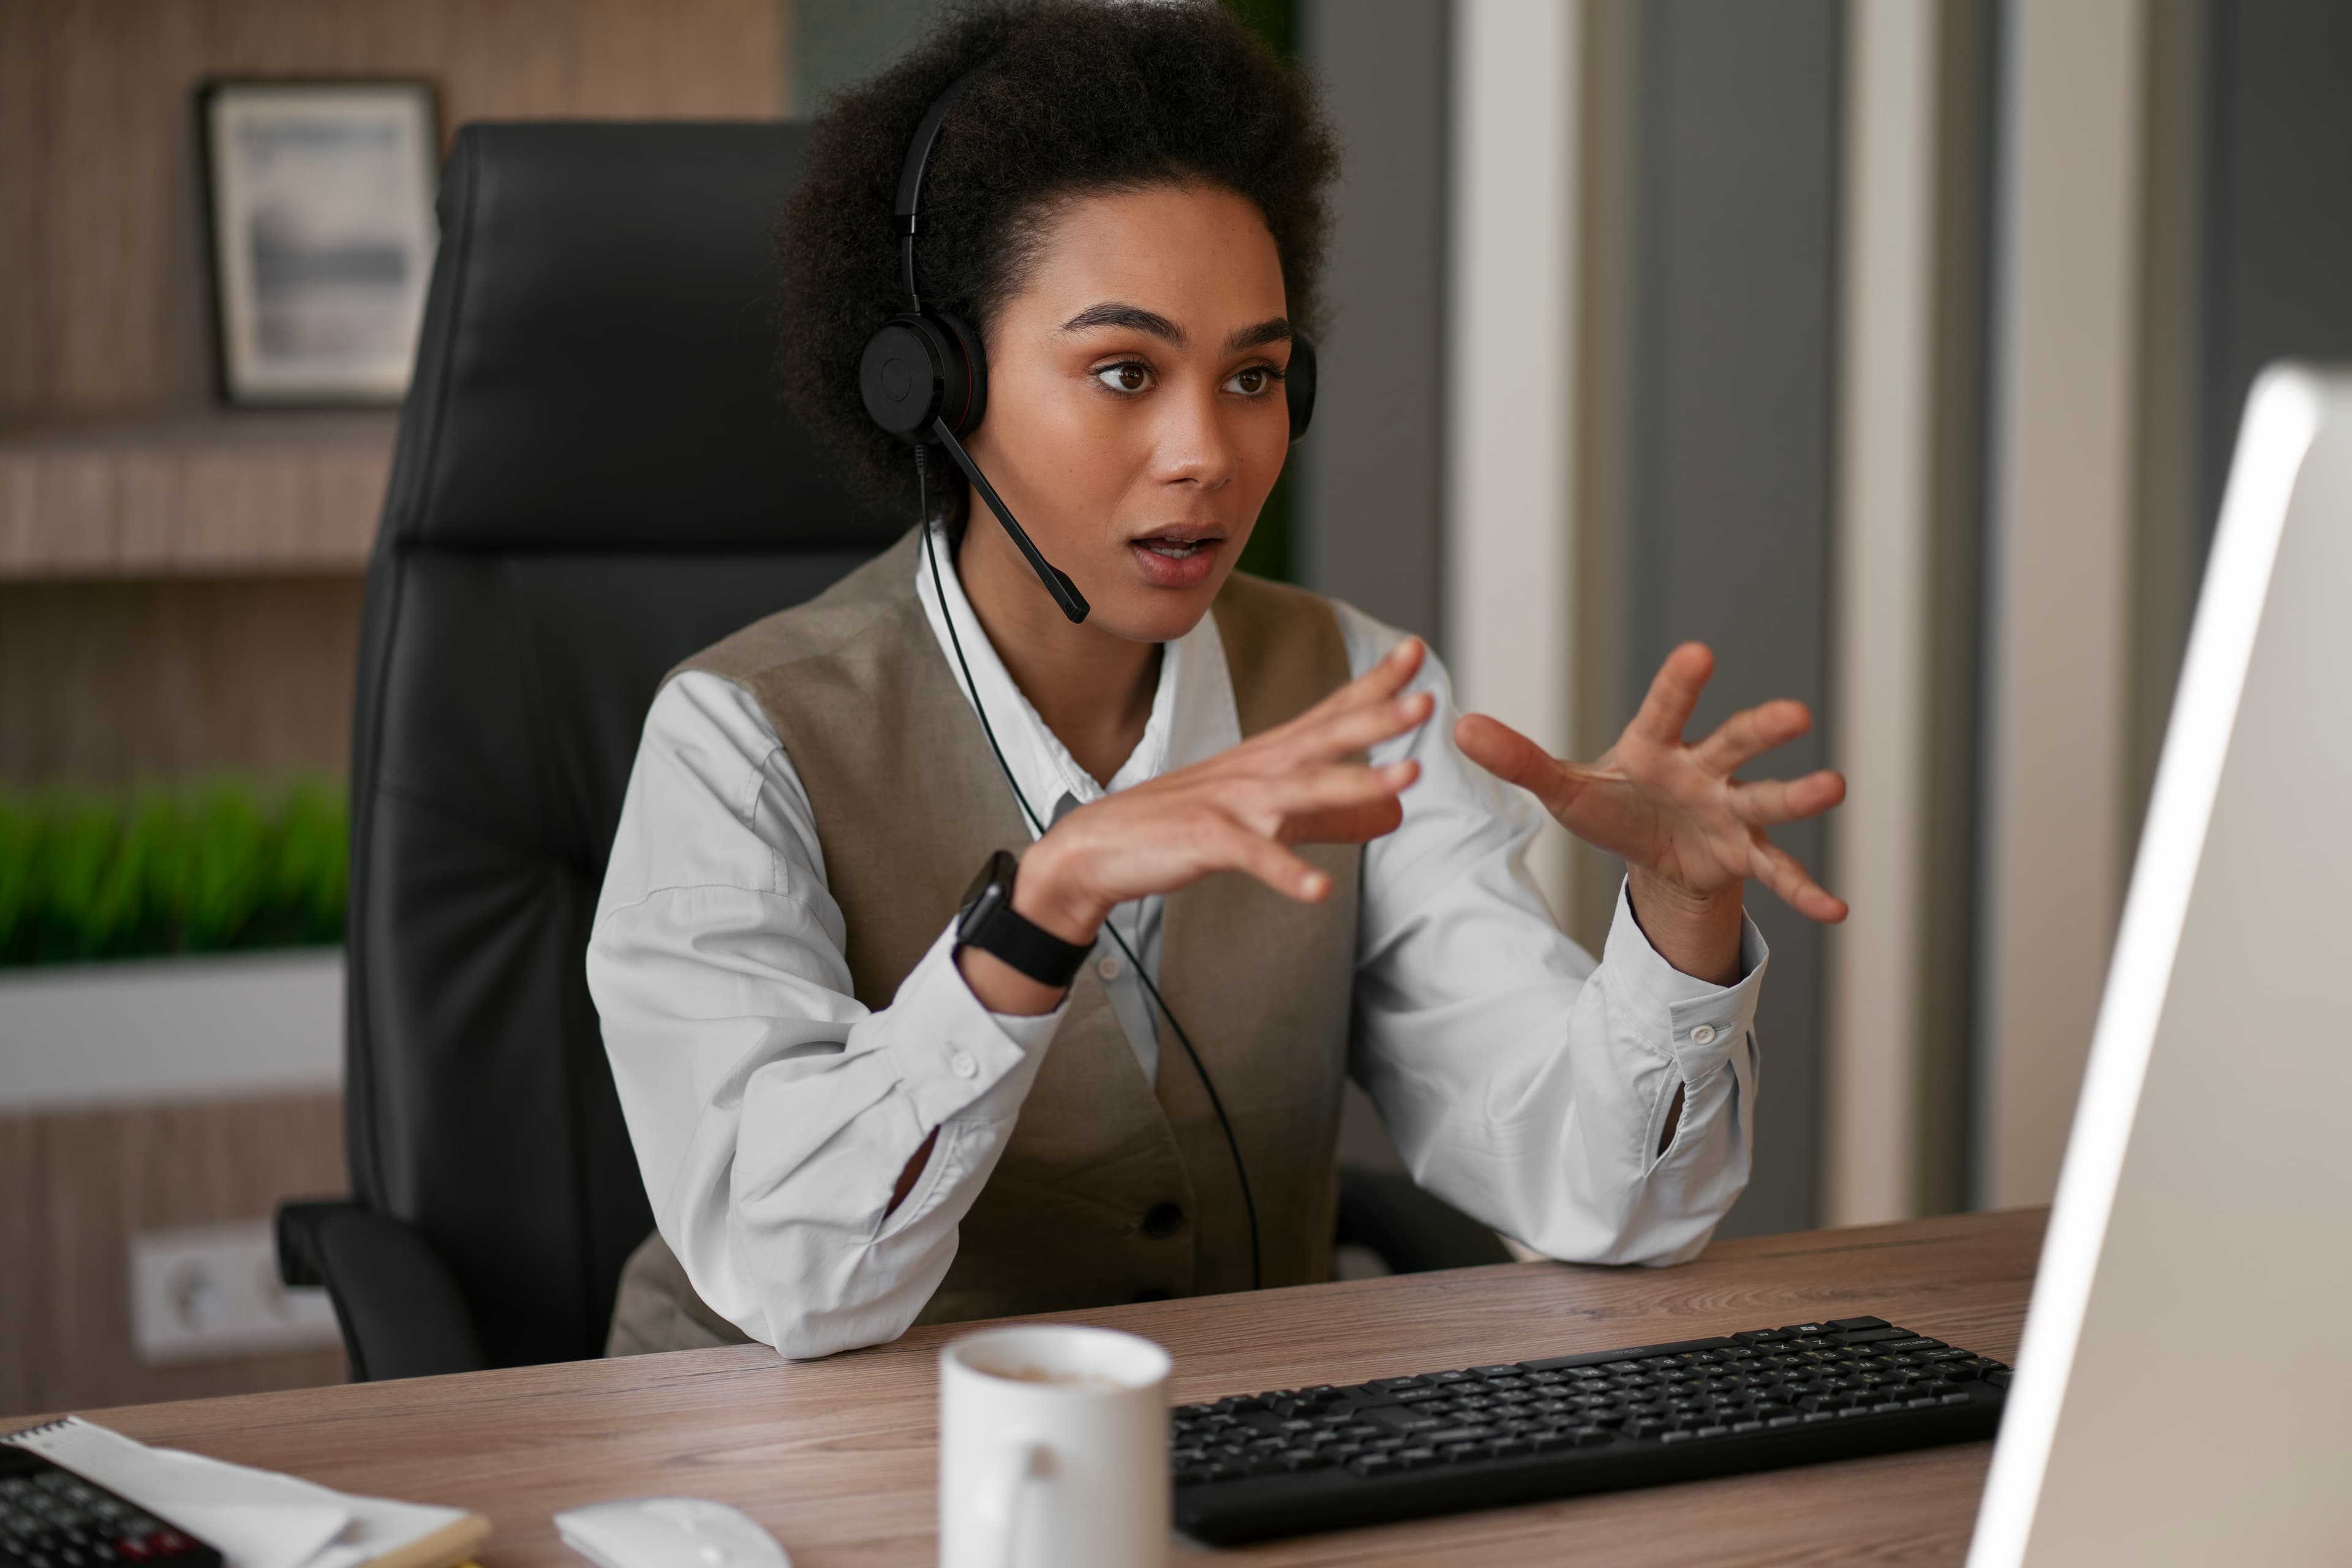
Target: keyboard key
1848	1323
1873	1337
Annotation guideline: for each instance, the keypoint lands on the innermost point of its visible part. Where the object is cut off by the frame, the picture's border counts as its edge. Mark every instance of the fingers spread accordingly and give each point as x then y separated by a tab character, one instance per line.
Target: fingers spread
1372	708
1357	729
1347	824
1751	732
1508	754
1766	803
1778	870
1674	694
1392	675
1267	805
1287	874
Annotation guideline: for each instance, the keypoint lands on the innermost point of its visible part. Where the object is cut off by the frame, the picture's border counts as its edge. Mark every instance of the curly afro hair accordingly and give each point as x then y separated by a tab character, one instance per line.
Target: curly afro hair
1068	98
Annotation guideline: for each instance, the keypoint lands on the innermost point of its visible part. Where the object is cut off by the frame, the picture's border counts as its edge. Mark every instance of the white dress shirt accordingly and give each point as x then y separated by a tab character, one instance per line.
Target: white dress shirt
772	1112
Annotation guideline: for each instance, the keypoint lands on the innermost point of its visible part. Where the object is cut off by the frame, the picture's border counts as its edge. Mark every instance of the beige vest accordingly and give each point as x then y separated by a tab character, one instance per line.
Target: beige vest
909	803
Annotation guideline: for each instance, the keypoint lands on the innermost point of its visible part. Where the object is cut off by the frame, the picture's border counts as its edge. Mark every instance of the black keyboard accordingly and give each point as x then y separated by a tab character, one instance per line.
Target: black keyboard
1399	1447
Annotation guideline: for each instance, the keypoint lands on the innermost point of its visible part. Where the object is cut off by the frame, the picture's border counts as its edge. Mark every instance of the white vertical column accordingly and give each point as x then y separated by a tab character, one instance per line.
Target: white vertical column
1883	555
1510	376
2058	588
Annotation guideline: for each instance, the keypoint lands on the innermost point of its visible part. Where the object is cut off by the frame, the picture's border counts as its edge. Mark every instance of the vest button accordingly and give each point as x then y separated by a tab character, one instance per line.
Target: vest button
1153	1294
1161	1221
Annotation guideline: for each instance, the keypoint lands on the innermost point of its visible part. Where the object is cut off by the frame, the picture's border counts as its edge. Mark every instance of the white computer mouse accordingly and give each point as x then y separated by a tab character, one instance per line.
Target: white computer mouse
670	1532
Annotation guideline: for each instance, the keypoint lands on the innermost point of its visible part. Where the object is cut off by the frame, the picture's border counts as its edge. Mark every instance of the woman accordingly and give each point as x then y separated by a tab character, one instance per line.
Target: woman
854	1109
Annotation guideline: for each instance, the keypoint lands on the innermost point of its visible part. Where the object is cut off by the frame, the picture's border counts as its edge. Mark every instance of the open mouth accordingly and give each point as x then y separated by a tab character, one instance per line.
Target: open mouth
1180	555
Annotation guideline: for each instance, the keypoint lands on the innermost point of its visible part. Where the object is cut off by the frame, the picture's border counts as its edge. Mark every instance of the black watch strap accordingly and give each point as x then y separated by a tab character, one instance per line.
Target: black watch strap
990	923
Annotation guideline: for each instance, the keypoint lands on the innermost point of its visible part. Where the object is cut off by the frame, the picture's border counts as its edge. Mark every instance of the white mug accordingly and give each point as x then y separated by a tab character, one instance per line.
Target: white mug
1053	1450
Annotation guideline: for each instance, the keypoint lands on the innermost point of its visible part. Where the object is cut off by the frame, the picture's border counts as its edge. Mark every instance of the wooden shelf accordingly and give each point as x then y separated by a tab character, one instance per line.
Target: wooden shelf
209	495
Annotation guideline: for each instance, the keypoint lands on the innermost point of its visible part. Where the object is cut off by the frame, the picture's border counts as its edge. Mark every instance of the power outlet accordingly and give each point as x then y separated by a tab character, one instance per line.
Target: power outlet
211	1292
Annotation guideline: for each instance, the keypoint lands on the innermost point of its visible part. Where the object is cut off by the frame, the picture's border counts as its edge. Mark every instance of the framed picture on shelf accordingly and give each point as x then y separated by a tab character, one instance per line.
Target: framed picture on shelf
318	196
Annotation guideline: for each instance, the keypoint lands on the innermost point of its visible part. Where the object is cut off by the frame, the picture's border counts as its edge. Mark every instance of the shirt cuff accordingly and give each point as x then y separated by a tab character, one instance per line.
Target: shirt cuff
949	1049
1701	1022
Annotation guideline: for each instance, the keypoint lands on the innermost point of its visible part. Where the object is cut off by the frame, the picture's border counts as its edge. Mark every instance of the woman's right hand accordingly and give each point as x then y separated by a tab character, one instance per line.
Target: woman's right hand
1238	811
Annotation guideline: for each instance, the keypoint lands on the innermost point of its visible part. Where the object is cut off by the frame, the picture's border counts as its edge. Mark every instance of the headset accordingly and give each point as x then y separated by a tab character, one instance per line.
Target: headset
924	378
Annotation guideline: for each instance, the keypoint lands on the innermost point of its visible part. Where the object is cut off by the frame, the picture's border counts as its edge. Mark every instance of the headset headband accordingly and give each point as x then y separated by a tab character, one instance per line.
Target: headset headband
908	209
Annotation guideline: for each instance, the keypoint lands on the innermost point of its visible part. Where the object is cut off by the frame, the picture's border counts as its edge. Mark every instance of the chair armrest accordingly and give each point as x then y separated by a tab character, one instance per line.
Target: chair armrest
399	1307
1411	1232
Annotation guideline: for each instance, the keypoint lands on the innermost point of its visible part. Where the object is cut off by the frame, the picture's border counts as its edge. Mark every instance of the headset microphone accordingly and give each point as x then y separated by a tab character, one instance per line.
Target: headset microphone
1057	582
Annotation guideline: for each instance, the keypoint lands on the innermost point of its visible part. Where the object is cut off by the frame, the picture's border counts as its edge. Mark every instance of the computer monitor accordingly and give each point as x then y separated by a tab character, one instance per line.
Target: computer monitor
2184	1390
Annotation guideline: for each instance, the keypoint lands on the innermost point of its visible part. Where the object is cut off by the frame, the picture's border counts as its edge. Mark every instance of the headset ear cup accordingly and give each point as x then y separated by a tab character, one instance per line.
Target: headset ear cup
1298	385
902	375
964	411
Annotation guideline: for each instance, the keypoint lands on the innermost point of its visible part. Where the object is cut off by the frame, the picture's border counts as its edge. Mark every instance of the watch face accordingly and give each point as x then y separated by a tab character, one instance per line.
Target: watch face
998	874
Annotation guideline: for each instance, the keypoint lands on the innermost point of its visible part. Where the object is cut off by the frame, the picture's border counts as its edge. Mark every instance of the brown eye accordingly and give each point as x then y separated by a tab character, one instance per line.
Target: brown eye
1127	375
1251	381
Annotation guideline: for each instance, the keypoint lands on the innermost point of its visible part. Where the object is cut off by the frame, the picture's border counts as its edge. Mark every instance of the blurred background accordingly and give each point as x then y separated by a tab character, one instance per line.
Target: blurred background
1892	347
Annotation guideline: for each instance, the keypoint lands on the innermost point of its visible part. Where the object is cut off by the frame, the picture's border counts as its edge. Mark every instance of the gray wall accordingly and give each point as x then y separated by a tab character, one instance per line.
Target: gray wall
1737	177
2278	210
1369	470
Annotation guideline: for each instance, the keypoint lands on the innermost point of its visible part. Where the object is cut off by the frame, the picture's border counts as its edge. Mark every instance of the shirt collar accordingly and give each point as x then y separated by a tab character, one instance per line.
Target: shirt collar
1192	711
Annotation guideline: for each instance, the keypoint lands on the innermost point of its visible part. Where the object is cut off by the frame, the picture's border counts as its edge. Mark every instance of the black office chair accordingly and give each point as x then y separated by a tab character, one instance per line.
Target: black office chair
595	479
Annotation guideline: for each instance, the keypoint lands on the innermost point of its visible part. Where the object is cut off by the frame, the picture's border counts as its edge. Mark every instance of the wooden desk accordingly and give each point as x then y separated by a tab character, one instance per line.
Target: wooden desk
838	1456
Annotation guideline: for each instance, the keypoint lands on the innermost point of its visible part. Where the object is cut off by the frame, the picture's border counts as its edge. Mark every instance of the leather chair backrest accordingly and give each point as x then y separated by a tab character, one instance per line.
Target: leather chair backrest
594	477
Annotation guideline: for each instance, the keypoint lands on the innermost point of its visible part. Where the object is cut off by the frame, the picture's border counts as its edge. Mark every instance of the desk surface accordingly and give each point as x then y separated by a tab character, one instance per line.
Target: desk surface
836	1457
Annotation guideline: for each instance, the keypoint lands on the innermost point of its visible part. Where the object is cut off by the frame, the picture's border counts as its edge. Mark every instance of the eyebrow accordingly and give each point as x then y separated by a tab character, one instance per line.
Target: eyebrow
1135	318
1274	331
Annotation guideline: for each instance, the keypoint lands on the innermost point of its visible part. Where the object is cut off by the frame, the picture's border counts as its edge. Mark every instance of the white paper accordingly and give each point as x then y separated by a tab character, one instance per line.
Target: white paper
257	1519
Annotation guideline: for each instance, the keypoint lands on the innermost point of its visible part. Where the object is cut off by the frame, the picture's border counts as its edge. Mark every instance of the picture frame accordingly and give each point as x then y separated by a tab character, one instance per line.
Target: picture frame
321	233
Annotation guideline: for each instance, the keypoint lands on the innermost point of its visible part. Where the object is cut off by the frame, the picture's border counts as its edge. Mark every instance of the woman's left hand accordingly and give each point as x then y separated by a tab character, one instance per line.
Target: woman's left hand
1690	832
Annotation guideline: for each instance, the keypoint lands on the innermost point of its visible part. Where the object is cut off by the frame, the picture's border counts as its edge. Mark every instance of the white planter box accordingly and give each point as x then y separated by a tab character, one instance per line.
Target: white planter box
139	1031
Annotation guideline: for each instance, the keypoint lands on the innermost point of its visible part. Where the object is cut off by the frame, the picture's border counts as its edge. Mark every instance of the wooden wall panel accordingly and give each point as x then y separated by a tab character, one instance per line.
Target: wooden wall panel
111	682
80	1183
102	276
219	495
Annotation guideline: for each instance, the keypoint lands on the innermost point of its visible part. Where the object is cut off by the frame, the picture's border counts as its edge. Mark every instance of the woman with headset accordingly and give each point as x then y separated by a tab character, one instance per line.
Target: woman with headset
996	932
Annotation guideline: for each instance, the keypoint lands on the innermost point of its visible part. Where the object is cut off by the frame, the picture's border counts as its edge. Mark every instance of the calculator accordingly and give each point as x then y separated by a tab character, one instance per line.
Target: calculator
51	1517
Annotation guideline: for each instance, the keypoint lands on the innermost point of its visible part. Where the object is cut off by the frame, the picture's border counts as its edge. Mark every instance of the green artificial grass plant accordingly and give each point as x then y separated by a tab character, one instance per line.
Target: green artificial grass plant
219	866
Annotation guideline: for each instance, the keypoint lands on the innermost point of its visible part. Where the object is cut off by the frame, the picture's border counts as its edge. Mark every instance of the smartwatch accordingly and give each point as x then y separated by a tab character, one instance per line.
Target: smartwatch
989	922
